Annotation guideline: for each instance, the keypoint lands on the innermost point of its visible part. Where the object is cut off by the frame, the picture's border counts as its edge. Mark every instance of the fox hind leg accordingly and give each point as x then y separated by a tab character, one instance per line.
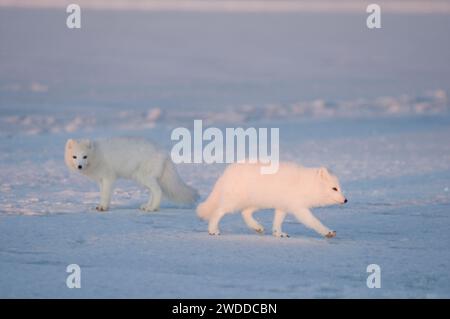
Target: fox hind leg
214	220
156	194
247	215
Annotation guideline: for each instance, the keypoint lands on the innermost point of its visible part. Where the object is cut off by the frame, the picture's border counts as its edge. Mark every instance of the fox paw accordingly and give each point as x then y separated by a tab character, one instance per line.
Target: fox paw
331	234
148	208
259	230
101	208
280	234
214	233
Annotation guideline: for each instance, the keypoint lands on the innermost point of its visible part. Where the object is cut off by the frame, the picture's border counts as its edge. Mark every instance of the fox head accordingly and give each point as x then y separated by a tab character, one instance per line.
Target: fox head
77	154
330	191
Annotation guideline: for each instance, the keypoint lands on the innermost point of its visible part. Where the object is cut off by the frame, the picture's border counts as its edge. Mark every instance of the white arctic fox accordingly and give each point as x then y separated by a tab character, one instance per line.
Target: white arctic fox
293	189
104	161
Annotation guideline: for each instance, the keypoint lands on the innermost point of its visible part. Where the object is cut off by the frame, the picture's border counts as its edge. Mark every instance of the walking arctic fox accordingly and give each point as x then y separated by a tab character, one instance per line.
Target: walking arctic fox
293	189
105	161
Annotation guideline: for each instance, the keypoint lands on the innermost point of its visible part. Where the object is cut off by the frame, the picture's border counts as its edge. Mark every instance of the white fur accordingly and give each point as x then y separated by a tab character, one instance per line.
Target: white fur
293	189
105	161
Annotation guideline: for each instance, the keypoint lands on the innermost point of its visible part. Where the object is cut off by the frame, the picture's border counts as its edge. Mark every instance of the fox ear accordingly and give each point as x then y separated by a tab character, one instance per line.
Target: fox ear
69	144
87	143
323	172
68	154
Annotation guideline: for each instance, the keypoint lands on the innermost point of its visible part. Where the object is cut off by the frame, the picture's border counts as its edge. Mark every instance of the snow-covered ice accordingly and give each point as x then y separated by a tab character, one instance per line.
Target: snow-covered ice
371	106
396	177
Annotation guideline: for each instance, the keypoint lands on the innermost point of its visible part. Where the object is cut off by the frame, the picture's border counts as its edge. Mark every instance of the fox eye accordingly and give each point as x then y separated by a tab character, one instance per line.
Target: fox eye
74	157
85	156
335	189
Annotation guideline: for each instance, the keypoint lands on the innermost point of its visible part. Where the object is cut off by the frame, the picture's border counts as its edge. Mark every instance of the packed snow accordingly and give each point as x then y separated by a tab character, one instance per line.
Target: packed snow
371	106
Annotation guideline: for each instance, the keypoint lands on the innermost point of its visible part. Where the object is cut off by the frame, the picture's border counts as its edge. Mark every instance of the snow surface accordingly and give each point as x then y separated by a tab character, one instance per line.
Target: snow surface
341	97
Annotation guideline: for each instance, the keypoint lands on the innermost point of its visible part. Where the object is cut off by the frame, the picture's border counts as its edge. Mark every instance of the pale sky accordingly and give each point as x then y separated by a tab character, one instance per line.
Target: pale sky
394	6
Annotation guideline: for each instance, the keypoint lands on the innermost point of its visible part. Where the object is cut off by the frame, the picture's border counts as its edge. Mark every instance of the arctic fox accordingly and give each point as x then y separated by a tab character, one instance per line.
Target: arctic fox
292	189
104	161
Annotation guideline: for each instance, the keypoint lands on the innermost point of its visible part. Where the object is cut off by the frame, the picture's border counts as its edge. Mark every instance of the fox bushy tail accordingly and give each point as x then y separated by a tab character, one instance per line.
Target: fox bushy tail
207	208
174	187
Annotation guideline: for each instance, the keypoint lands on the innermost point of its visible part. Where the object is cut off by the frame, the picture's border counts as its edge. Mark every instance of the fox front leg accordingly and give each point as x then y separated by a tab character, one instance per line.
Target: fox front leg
106	187
309	220
277	222
252	223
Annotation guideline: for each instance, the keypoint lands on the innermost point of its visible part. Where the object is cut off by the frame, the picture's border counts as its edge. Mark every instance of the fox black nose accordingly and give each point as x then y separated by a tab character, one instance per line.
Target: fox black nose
345	201
80	167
